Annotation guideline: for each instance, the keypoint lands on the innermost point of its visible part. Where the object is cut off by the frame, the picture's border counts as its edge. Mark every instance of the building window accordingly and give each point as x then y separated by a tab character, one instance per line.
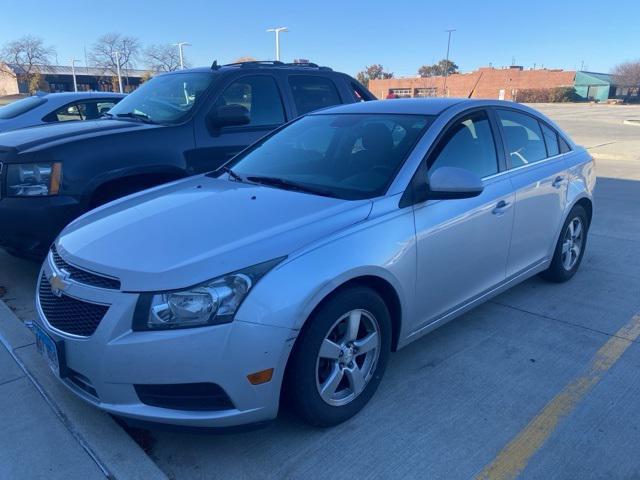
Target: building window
401	92
427	92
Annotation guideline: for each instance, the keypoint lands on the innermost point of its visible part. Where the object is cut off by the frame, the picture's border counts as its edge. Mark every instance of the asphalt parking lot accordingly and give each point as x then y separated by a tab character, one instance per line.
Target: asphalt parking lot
542	381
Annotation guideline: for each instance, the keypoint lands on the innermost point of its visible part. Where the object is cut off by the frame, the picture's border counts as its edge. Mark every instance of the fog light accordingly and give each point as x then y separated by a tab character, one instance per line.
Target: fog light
263	376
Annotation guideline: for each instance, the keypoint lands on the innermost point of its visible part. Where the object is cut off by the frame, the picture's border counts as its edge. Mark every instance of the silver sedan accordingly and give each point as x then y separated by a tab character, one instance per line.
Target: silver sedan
48	108
298	267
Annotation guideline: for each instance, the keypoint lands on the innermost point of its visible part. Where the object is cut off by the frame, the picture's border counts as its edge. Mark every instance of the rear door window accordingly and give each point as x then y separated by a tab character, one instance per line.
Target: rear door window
523	137
312	93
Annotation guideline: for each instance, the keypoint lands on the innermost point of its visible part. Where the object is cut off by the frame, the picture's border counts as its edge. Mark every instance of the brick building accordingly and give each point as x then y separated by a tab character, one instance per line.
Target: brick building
486	82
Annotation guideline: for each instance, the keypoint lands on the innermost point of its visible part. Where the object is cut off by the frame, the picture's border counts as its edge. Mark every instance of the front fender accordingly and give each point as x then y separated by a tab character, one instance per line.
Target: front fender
287	295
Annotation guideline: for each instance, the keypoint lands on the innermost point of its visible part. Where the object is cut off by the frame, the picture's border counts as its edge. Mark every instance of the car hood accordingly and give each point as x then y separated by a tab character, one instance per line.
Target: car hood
194	230
56	133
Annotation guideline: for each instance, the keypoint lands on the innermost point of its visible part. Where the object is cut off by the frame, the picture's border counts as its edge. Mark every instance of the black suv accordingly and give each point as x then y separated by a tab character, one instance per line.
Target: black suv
177	124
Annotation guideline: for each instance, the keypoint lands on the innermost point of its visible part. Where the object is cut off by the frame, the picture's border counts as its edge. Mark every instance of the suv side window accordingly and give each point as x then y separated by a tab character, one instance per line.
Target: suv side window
468	144
523	138
260	95
551	140
312	92
358	93
65	114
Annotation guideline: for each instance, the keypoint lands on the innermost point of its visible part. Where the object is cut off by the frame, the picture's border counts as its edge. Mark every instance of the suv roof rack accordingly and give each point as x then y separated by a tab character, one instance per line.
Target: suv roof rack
271	63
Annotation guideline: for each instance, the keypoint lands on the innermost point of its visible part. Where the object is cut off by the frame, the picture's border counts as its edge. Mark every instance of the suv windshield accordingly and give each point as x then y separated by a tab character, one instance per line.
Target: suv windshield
349	156
21	106
164	99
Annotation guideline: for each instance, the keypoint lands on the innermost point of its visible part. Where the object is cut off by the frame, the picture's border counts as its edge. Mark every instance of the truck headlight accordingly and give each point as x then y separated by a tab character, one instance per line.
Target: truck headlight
33	179
211	303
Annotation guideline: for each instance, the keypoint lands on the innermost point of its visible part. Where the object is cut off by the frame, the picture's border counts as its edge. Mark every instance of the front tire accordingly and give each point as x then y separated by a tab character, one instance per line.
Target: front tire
340	357
569	248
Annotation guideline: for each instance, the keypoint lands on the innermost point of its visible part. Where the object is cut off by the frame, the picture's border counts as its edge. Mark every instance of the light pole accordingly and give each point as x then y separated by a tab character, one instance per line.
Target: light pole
277	32
446	67
118	69
73	72
180	45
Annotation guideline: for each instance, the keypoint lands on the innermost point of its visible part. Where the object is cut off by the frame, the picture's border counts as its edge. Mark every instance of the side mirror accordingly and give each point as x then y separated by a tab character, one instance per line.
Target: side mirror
227	116
452	182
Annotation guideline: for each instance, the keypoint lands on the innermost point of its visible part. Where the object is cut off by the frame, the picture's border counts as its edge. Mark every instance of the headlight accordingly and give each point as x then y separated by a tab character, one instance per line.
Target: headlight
211	303
33	179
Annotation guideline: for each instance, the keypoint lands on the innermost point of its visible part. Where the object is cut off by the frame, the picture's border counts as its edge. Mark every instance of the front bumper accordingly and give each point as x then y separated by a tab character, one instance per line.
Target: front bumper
114	359
30	224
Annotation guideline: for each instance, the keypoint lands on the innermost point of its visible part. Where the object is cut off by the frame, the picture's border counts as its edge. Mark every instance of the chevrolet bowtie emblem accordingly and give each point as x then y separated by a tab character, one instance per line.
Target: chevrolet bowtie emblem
58	284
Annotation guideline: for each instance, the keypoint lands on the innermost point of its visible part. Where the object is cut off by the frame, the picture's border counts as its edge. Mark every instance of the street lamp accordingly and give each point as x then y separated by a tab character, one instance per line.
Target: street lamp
446	67
73	72
180	45
118	69
277	32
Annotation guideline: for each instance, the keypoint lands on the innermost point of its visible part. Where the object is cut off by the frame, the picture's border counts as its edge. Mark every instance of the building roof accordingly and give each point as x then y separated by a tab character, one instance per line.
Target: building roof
92	71
602	78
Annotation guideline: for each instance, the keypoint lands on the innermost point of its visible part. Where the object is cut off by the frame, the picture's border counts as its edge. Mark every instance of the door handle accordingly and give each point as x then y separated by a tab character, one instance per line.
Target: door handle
557	183
501	207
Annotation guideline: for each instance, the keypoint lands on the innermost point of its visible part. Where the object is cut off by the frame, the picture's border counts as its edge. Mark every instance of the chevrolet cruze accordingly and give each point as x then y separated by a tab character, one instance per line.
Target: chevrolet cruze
295	269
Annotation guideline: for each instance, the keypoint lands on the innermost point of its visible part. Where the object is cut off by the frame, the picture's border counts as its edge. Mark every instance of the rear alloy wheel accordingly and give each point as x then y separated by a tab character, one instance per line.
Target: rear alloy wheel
340	357
570	247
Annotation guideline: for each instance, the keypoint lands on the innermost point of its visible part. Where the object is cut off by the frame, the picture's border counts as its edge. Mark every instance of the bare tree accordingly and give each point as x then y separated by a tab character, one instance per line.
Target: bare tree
23	58
627	74
105	52
163	58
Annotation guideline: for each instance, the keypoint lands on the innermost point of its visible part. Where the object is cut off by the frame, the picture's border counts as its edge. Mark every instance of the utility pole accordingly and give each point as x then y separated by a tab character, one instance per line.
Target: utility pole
277	32
446	68
118	69
73	72
180	45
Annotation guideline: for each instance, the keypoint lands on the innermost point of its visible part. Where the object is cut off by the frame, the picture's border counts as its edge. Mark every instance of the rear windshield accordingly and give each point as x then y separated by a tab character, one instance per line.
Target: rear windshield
21	106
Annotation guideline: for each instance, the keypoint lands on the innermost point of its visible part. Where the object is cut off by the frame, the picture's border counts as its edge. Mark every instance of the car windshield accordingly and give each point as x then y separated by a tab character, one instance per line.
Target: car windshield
164	99
21	106
349	156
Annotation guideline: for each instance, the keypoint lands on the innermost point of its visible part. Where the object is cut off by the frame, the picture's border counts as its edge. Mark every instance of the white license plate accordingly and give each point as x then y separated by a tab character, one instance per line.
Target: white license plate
47	348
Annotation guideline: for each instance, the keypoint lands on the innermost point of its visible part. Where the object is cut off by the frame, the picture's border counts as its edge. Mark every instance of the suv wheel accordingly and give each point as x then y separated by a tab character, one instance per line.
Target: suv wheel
340	357
570	247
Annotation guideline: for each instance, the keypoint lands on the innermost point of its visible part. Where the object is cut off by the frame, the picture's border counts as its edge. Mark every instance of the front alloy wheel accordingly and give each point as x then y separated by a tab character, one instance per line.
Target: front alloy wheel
339	357
347	358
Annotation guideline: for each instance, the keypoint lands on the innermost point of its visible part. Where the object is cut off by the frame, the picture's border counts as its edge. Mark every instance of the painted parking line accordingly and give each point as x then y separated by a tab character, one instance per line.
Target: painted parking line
515	456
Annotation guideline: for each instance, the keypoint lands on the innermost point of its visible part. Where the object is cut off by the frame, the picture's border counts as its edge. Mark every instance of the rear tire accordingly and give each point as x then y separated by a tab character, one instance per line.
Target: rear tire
570	247
340	357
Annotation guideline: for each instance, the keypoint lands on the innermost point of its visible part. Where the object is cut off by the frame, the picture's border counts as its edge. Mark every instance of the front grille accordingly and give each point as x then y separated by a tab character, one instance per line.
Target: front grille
185	396
82	276
68	314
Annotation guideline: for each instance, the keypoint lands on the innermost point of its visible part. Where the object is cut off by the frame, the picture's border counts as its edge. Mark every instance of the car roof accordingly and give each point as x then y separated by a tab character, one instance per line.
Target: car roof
414	106
79	95
257	65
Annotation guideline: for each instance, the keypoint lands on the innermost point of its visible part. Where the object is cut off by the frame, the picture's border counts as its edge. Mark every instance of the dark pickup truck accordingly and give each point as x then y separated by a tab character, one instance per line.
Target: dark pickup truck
177	124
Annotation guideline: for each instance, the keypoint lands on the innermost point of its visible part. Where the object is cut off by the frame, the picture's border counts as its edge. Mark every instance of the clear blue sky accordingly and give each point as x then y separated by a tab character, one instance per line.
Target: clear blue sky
348	35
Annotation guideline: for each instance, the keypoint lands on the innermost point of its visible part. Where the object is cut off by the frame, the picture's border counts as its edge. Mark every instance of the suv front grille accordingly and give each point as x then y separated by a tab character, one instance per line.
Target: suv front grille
68	314
82	276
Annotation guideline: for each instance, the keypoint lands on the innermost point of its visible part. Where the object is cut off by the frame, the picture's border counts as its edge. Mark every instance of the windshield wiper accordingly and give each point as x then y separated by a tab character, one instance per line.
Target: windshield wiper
138	116
232	174
289	185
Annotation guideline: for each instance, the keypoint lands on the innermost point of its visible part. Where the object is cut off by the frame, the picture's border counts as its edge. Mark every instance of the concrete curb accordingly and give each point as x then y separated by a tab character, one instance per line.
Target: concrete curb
115	453
632	121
